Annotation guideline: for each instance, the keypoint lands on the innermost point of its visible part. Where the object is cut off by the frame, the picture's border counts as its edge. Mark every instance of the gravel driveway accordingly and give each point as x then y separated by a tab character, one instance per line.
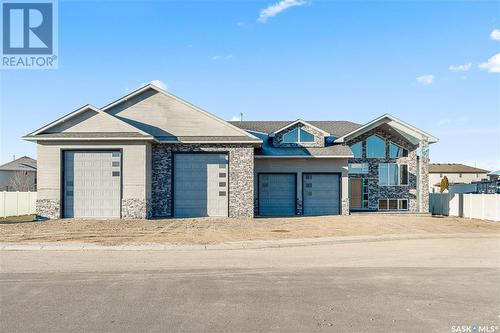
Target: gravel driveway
213	230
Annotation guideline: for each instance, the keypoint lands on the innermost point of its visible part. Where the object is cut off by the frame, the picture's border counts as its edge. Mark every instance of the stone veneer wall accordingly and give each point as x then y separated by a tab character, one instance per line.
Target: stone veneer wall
136	209
319	137
48	209
376	192
424	176
241	173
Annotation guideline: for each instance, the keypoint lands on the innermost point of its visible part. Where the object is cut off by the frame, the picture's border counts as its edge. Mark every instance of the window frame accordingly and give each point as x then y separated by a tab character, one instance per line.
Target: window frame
299	136
398	176
403	150
368	150
399	202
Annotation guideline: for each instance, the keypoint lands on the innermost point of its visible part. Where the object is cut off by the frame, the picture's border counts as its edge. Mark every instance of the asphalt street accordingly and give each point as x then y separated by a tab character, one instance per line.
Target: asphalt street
393	286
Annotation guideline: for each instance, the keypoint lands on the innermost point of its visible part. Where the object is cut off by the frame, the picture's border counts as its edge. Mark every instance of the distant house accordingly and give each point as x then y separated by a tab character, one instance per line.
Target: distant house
18	175
456	174
494	176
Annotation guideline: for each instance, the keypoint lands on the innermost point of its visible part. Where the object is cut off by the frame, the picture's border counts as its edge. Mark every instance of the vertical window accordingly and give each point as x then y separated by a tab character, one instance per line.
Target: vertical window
375	147
396	151
391	174
357	150
403	174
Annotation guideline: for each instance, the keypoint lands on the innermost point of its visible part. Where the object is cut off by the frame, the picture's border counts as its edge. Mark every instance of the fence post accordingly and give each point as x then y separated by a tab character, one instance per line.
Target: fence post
4	204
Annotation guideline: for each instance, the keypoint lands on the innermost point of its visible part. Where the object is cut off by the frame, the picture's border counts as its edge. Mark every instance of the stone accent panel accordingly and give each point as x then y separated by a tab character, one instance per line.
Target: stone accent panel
300	207
424	176
136	209
241	173
319	137
345	206
48	209
376	192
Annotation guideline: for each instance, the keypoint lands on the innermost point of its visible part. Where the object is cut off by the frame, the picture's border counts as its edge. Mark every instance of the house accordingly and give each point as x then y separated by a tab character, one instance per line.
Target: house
494	176
456	174
152	154
18	175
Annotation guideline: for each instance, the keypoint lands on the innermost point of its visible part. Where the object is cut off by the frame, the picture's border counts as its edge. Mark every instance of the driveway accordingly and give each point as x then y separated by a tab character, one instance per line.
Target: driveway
424	285
213	230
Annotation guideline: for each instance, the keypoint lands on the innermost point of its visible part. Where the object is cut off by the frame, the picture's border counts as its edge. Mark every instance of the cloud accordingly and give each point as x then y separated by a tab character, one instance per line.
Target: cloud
240	24
460	68
222	57
495	34
492	65
425	80
159	84
277	8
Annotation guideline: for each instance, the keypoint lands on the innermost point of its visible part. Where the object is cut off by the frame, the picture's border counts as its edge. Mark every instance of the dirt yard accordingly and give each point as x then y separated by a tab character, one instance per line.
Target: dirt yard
212	230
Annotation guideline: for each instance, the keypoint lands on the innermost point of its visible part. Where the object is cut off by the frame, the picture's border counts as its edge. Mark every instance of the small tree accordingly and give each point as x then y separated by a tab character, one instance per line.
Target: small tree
444	184
20	181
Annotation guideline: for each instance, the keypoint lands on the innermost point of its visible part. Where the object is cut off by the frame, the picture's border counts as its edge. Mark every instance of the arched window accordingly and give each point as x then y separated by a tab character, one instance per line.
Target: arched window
375	147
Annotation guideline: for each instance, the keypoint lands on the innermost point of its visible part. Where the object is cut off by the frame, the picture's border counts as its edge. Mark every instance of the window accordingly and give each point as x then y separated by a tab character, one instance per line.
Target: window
392	174
460	175
393	204
375	147
357	150
115	173
297	135
359	168
396	151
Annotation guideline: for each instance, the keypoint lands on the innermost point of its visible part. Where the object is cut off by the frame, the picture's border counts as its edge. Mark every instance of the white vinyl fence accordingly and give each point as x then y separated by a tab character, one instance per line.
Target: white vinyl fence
17	203
476	206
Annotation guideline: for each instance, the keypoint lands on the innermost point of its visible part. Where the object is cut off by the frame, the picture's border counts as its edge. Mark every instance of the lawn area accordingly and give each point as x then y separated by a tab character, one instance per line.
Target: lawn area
214	230
17	219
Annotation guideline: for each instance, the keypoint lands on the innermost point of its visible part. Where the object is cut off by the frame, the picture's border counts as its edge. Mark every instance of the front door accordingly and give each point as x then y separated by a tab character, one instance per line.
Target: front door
355	193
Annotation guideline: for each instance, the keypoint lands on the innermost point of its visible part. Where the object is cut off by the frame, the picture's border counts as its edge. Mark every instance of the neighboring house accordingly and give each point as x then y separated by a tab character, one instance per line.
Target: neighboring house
456	174
151	154
494	176
18	175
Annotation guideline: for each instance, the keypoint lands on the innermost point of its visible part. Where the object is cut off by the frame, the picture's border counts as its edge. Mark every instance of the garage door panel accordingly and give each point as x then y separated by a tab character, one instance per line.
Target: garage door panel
321	194
199	181
277	193
92	184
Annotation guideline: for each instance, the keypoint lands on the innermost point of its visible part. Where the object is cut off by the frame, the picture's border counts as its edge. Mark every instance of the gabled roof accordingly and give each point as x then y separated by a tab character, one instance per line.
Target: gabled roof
453	168
44	132
24	163
244	136
303	122
334	128
402	127
493	173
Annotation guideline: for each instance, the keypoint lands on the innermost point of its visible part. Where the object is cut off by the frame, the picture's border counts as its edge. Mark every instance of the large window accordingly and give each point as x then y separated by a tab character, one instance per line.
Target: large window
393	204
297	135
396	151
392	174
375	147
357	150
358	168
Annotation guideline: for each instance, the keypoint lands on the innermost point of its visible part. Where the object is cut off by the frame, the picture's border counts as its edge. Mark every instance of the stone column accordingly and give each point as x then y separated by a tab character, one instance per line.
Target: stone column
423	181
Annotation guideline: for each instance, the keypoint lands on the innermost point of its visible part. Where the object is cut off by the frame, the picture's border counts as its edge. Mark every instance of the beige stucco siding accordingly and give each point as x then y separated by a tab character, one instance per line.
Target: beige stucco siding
303	165
91	121
162	115
135	171
465	178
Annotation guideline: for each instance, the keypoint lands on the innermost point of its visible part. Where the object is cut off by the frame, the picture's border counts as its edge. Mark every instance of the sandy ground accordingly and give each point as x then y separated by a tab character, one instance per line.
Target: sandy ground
212	230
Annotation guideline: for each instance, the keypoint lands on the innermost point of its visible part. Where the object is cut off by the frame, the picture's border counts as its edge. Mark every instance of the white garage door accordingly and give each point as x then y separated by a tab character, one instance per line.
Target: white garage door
321	194
92	184
277	194
201	185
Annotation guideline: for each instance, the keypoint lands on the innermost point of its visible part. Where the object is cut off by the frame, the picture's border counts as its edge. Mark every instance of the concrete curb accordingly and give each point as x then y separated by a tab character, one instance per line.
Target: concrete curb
257	244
